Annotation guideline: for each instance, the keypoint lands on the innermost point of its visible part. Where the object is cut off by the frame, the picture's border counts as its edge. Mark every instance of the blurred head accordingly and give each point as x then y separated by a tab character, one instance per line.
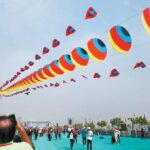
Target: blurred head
88	128
7	129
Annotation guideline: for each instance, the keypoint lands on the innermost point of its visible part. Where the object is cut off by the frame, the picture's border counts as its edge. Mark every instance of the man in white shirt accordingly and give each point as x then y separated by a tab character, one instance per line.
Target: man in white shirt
8	127
89	138
71	137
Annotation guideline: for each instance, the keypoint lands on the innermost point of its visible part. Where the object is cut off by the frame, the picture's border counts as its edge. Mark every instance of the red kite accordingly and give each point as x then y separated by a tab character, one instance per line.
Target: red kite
45	50
55	43
70	30
37	57
139	65
96	75
114	73
91	13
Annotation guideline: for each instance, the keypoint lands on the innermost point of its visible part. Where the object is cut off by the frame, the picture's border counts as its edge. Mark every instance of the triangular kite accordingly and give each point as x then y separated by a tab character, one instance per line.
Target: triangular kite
45	50
30	63
91	13
114	73
72	80
96	75
139	65
56	84
70	30
37	57
55	43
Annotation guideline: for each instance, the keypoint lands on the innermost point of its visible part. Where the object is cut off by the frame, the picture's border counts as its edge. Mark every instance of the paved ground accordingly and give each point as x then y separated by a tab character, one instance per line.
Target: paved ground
98	144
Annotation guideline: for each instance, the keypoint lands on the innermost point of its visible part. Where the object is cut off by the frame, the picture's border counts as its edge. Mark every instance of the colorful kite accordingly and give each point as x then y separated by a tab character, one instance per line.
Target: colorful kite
57	84
70	30
91	13
139	65
64	81
146	19
72	80
120	39
79	57
96	76
97	49
40	75
55	43
114	73
26	68
30	63
51	84
22	70
27	93
45	50
46	85
55	68
18	73
66	63
37	57
47	71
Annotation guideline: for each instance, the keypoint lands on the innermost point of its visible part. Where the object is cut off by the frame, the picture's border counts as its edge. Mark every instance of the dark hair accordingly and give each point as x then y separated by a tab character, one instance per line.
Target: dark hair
7	133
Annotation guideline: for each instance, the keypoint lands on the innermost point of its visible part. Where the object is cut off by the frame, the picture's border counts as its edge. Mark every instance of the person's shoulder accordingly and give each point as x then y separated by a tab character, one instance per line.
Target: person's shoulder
24	146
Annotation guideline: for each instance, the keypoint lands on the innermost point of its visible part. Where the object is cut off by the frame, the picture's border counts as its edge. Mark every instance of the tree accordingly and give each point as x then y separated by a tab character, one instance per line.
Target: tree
140	120
116	122
129	126
90	124
102	123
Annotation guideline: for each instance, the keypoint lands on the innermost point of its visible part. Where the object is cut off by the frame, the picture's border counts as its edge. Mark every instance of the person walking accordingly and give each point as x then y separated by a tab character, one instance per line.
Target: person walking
89	138
75	133
71	137
49	135
84	136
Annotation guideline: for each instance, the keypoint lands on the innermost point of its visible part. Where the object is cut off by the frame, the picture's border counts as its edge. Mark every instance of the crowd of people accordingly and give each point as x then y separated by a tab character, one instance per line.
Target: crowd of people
14	136
87	136
72	134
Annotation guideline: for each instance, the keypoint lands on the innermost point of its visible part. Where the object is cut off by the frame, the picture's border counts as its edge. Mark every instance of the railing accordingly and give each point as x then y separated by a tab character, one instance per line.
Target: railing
124	133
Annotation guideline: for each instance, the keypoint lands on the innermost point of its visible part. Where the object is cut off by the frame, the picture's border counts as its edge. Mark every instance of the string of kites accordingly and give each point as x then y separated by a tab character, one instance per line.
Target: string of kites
113	73
119	38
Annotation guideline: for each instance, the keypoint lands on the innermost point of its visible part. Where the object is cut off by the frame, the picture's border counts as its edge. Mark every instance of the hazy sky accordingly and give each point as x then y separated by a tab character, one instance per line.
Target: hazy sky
28	25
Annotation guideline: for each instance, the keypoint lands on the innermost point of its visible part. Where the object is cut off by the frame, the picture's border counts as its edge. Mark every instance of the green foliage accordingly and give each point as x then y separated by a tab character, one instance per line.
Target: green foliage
90	124
116	122
129	126
102	123
140	120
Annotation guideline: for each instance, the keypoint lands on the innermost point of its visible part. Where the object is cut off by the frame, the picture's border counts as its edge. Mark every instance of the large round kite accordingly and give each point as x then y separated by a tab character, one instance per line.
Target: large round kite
55	68
66	63
35	78
47	71
40	75
97	49
79	57
146	19
120	39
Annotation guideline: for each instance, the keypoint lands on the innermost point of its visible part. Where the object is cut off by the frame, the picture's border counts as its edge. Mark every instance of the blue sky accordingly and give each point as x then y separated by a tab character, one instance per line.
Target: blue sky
28	25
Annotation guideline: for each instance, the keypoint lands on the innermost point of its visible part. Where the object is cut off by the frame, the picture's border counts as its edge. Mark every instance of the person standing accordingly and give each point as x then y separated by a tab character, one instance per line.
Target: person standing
36	133
8	127
89	138
49	134
71	137
142	133
75	133
116	136
84	136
